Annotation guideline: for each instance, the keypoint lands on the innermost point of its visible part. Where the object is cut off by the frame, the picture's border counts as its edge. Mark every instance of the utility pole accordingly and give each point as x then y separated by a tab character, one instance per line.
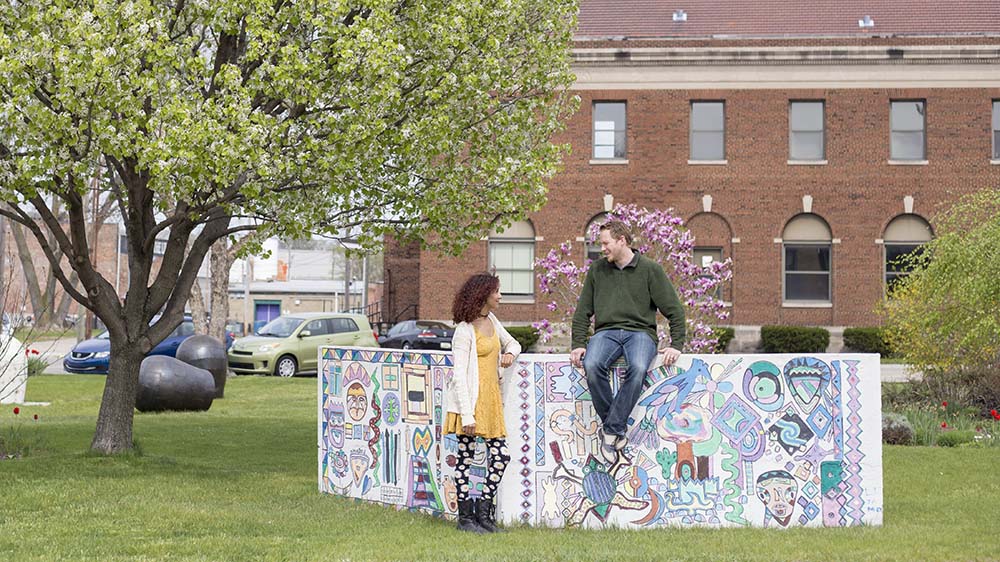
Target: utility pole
247	275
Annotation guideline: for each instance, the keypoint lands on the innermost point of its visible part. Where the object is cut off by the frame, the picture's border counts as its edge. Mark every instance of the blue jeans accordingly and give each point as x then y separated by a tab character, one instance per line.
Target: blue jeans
604	348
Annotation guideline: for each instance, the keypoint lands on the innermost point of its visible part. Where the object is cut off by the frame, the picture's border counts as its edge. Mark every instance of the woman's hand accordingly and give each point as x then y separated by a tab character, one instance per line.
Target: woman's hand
469	429
506	360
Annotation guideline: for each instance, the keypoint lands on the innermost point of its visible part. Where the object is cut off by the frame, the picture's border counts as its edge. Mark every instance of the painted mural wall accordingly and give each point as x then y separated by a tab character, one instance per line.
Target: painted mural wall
720	440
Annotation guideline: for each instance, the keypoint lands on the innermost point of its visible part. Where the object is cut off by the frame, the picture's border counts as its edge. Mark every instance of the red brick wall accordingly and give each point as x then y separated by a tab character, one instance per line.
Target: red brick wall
401	275
858	192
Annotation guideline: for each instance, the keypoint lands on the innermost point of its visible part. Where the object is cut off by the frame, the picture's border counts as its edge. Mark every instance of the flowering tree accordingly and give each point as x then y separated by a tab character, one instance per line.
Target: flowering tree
205	121
659	235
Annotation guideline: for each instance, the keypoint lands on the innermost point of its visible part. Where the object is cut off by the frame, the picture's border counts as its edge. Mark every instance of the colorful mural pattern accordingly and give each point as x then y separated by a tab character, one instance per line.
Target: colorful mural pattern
720	440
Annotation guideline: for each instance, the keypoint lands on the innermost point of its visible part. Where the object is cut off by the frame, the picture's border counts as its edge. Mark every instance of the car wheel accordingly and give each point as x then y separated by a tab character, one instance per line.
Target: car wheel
286	366
406	345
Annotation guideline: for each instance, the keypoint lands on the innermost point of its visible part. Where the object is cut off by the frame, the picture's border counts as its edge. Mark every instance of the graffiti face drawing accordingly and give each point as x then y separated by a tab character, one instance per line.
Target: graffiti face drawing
777	489
357	402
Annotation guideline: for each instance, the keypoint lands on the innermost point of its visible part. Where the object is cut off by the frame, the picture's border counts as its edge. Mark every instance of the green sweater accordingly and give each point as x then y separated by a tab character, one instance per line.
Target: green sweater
628	299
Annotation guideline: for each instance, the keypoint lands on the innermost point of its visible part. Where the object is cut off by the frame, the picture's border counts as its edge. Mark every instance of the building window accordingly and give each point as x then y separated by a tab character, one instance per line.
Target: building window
512	257
996	129
806	264
908	123
903	238
591	247
704	258
806	139
708	130
609	130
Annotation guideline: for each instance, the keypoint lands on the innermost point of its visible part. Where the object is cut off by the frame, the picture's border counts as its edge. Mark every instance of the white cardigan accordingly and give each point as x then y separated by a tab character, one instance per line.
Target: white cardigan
462	391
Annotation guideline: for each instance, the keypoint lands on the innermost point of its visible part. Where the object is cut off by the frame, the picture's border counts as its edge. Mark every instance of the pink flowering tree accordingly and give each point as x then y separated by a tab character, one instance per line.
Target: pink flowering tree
661	236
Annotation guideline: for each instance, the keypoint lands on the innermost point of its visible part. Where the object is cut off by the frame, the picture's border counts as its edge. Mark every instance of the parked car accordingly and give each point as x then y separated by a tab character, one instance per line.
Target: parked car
290	344
418	334
93	356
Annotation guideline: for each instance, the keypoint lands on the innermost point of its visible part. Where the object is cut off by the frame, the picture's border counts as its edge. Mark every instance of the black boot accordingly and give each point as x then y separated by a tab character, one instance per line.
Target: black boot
486	516
467	517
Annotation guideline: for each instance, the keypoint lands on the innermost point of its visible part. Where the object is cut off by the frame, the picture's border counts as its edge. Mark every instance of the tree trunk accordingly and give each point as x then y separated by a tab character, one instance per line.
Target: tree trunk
28	270
114	420
221	261
198	314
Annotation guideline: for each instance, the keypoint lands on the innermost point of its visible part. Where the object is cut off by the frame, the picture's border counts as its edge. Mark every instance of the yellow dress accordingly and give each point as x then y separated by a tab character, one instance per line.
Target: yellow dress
489	405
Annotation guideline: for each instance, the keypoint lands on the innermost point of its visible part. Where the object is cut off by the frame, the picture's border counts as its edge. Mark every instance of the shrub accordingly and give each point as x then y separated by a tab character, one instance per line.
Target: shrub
867	340
525	335
36	366
955	438
724	335
896	429
794	339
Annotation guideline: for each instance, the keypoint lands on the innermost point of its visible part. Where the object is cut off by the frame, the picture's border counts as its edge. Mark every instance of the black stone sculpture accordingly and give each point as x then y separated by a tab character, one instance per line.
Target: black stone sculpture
166	383
206	352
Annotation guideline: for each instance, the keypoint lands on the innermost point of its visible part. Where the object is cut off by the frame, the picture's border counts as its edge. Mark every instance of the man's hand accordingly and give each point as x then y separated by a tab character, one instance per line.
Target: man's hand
469	429
670	356
506	360
576	357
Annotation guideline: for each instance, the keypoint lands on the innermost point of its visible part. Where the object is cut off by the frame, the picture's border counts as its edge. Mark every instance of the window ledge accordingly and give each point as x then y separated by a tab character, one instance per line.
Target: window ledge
995	161
708	162
807	162
609	161
806	304
518	299
907	162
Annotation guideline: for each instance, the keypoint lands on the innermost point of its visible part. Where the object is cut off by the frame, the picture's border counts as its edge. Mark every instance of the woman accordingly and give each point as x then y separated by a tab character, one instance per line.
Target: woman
481	348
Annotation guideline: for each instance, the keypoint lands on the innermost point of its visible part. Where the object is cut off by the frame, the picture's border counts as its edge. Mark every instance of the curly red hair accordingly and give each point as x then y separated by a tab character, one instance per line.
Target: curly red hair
469	300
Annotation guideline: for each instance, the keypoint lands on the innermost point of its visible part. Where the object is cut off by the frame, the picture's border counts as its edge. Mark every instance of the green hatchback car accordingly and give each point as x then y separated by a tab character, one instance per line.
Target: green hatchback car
290	344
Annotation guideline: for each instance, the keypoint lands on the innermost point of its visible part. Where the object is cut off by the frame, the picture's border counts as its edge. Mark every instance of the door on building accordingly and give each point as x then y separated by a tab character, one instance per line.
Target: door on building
264	312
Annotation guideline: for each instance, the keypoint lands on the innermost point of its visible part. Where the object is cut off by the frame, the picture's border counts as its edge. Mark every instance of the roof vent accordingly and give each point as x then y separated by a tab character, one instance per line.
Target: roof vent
680	15
866	21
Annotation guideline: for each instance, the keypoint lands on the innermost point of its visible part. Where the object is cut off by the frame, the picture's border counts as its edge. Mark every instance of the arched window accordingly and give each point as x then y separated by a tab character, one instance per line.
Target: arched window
512	256
903	237
591	247
806	242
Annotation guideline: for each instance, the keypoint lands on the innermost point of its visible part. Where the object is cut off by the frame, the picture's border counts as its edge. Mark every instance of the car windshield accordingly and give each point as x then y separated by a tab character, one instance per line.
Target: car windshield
280	327
104	336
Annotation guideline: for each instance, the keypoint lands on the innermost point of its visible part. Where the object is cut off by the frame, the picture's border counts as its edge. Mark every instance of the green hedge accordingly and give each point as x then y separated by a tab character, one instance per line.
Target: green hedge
525	335
956	438
794	339
725	335
866	340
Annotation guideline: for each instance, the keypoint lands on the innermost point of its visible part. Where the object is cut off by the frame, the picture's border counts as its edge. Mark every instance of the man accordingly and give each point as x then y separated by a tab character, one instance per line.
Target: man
622	292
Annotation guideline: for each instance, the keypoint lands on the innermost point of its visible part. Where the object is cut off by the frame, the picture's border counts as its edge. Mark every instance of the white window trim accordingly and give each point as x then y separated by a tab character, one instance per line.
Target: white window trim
593	134
796	303
804	161
908	162
708	162
513	297
691	132
609	161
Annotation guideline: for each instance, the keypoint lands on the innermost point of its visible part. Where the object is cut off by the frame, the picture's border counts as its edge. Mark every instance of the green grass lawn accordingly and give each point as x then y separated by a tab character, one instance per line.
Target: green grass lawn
240	483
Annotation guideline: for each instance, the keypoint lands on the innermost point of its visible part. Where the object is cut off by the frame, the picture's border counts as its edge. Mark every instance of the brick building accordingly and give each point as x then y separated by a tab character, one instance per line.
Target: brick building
809	142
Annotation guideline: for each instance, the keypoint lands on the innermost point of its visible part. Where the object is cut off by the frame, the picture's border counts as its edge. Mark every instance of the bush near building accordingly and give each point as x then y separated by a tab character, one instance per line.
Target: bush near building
525	335
794	339
724	335
867	340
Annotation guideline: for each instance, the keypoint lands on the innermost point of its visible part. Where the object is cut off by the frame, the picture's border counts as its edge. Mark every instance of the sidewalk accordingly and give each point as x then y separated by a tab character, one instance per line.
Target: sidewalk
53	352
